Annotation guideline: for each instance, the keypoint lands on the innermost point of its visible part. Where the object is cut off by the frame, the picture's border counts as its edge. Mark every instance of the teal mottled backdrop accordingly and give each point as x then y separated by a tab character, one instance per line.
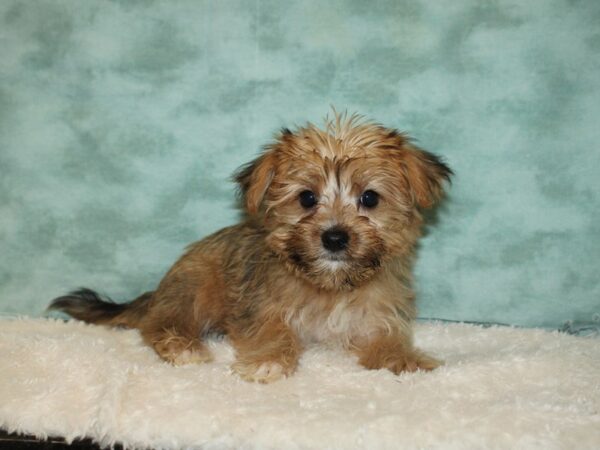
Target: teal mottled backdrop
121	121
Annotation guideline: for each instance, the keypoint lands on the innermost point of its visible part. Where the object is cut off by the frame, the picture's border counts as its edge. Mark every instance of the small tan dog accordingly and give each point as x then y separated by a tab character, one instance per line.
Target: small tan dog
324	254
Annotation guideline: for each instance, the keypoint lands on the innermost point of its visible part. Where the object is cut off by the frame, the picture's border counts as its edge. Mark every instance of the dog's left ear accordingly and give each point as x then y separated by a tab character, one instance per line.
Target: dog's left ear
425	174
254	179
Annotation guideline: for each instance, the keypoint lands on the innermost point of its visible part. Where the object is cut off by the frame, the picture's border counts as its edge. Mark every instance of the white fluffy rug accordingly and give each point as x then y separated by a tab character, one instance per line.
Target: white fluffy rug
500	388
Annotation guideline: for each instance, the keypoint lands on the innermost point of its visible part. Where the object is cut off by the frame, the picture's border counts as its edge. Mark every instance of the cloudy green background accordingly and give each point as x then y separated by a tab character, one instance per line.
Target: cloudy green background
121	121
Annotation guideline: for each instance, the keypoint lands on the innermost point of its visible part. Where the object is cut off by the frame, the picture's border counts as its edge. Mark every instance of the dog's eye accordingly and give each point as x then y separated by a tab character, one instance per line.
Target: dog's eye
308	199
369	199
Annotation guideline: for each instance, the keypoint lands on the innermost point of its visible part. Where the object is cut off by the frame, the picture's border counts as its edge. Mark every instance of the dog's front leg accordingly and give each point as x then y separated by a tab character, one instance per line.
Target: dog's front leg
265	352
393	352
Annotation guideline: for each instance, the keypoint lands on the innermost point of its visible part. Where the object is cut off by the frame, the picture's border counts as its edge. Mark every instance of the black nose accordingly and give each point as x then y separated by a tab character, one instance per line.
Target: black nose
335	239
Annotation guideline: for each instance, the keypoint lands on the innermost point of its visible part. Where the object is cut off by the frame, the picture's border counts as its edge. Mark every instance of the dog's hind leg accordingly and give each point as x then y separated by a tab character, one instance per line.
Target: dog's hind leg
178	348
187	306
175	332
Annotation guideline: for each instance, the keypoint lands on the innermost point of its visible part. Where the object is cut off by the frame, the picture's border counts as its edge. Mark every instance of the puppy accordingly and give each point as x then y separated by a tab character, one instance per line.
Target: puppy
324	253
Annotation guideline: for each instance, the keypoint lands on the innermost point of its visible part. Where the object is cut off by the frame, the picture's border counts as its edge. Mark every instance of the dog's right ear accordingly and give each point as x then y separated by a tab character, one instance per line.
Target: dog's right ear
254	180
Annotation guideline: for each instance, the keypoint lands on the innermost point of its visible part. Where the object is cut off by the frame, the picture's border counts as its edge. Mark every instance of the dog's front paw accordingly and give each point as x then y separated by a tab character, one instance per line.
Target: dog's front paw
410	361
262	372
414	361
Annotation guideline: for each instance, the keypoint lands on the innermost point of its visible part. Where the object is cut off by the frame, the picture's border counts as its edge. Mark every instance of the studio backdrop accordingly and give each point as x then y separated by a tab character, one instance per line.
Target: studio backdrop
121	122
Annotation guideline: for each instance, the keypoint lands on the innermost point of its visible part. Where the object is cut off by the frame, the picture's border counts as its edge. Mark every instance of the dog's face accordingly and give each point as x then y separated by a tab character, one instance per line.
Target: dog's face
340	203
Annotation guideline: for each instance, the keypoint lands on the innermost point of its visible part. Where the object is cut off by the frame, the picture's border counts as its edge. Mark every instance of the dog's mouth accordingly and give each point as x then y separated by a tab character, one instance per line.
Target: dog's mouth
324	262
337	257
335	271
336	266
333	265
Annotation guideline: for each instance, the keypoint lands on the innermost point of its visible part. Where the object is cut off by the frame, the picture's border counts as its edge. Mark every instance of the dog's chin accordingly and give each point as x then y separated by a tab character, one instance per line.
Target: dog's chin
333	265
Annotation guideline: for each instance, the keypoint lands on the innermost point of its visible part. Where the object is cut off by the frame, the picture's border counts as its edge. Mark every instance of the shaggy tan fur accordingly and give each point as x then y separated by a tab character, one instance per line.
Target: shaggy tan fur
324	253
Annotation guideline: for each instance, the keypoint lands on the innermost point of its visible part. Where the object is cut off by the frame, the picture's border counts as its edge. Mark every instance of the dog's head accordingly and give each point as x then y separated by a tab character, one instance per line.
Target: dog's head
342	201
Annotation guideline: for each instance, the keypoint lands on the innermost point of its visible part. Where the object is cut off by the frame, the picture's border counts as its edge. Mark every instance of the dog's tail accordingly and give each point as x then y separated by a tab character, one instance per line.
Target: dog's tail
87	305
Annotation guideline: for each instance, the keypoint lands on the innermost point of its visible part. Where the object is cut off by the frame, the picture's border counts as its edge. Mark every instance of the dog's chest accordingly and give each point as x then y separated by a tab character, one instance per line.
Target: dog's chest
318	322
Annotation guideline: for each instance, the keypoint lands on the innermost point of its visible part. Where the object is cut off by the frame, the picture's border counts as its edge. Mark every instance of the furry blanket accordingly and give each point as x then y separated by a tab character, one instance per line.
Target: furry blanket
500	388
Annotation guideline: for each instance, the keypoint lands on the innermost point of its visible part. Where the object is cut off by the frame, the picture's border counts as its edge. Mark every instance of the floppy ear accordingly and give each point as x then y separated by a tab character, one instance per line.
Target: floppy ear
425	174
254	179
